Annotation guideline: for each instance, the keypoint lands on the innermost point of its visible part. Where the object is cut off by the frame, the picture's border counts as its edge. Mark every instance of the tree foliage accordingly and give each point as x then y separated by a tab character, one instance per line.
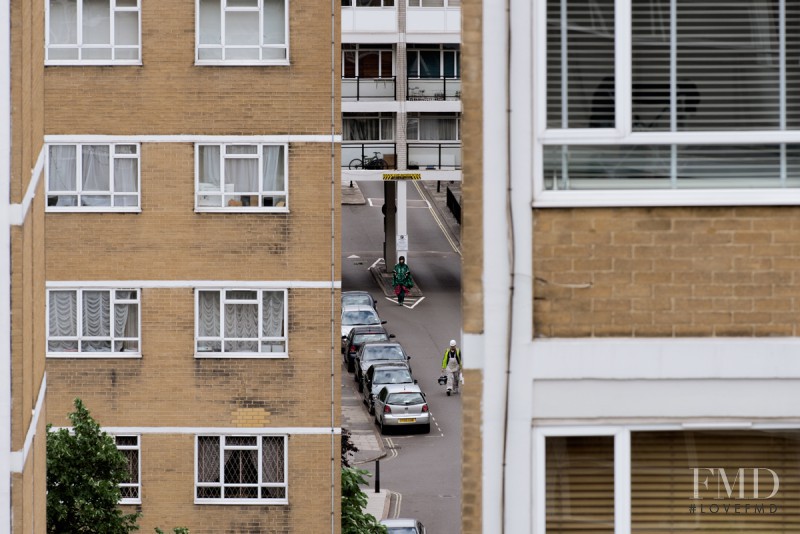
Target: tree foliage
347	447
354	519
84	470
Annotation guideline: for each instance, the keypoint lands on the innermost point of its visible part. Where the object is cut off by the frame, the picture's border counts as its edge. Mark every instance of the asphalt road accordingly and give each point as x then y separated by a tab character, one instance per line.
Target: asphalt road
424	469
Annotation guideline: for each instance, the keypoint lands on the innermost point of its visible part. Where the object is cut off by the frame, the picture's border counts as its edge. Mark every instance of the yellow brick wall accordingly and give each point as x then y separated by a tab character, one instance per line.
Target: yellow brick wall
670	272
168	94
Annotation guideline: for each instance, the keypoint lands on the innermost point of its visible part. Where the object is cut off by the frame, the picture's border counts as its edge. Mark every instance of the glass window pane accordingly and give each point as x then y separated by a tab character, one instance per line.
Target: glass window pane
96	315
126	175
126	53
241	149
96	22
582	37
369	64
126	28
62	53
63	22
579	486
210	24
62	168
241	175
96	53
271	53
209	168
126	320
208	459
95	168
209	53
241	28
429	63
251	54
208	309
274	22
63	313
273	174
127	3
242	3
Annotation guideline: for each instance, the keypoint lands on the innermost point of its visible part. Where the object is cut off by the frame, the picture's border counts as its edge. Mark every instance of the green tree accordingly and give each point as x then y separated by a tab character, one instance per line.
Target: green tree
84	469
354	520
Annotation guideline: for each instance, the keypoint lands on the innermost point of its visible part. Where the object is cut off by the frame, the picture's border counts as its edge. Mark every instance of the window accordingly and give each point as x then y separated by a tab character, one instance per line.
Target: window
93	177
93	322
374	61
368	127
241	177
241	470
242	32
704	95
429	127
425	61
99	32
434	3
131	488
368	3
241	323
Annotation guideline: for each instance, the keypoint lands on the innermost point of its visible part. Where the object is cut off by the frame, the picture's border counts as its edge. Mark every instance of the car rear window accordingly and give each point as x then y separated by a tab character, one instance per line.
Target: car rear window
360	317
383	353
392	376
363	338
357	299
405	399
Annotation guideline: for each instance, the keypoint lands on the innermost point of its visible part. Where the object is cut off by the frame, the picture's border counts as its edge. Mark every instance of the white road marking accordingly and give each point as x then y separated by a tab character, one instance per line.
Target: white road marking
376	263
394	301
353	256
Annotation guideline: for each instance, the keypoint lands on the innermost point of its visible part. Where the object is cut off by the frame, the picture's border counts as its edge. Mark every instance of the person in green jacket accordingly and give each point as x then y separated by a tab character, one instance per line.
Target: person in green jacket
451	366
401	280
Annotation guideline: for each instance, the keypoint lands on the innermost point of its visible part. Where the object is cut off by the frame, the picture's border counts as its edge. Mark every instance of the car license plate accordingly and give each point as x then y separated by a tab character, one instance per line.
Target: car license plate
408	420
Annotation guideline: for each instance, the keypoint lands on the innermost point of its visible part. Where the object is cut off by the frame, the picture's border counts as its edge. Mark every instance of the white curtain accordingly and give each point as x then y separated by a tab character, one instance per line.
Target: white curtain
209	311
62	172
96	22
438	129
243	174
274	22
125	181
209	168
96	320
63	22
63	318
272	315
241	321
273	168
361	129
126	318
96	175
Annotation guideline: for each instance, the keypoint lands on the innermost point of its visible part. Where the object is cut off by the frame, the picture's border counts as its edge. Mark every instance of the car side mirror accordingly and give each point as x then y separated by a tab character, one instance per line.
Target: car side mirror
392	336
384	322
344	337
416	381
408	357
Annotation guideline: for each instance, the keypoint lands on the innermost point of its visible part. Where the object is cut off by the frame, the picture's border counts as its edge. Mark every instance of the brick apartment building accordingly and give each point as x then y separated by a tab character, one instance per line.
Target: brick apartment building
192	266
22	269
631	266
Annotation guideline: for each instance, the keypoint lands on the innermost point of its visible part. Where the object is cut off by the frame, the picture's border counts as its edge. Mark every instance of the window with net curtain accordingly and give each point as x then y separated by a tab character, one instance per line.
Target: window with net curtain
86	176
93	321
242	31
241	176
243	322
711	66
241	467
107	31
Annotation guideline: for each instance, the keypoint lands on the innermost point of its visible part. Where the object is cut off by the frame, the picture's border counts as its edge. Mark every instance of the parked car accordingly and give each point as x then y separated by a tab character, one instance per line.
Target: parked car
374	353
398	405
381	375
358	315
358	336
354	298
403	526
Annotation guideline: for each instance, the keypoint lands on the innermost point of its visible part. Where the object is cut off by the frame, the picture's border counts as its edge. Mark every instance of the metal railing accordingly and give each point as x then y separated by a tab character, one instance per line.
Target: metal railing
353	153
358	88
433	89
434	156
453	205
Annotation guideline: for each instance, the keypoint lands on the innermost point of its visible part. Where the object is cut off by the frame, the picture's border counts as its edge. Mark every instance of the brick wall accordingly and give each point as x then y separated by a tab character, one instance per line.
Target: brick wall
670	272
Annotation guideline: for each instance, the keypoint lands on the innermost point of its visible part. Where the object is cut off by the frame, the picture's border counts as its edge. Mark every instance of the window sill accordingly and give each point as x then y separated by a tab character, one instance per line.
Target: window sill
126	502
666	198
95	355
239	502
241	63
240	209
92	63
241	355
91	209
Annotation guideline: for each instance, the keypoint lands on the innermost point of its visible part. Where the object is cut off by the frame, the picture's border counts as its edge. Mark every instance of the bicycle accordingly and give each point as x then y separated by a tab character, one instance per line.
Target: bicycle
375	162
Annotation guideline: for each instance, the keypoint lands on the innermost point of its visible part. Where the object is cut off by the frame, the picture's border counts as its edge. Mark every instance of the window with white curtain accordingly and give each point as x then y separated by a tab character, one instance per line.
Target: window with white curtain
131	487
99	32
241	177
245	323
92	177
430	127
242	469
368	127
704	95
93	322
242	32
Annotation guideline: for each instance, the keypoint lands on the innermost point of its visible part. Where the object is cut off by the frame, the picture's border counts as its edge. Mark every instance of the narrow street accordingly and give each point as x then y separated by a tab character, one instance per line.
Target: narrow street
423	470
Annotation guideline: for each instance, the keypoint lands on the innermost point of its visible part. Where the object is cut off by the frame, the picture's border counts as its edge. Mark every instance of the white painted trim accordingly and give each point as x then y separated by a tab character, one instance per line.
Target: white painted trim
219	430
18	458
666	197
5	266
18	212
191	284
622	482
181	138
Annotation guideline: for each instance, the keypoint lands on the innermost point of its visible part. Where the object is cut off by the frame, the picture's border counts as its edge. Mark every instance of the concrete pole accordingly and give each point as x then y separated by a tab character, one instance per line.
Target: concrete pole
390	224
402	219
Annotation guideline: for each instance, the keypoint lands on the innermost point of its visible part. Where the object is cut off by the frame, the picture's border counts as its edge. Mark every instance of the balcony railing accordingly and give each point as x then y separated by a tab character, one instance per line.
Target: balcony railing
434	156
358	156
372	89
434	89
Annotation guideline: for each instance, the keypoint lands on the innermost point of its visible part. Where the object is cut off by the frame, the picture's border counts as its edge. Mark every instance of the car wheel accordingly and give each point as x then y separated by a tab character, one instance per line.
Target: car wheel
383	428
356	377
360	386
351	366
371	408
426	429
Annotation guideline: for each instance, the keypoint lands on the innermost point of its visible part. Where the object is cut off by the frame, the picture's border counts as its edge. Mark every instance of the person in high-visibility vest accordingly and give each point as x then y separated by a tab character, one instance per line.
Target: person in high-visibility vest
451	365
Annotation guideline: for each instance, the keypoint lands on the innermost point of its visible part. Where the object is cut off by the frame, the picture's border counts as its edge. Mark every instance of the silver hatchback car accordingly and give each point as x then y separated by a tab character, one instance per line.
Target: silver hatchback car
381	375
398	405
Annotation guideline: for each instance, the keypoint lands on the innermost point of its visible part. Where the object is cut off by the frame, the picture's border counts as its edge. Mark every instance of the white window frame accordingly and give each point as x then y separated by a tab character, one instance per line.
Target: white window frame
79	317
260	339
623	134
622	460
137	485
112	156
443	51
259	12
81	46
221	485
447	5
357	49
259	156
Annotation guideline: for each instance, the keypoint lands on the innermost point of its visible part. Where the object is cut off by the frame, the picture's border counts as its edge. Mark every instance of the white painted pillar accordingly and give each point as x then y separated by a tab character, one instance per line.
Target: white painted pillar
401	240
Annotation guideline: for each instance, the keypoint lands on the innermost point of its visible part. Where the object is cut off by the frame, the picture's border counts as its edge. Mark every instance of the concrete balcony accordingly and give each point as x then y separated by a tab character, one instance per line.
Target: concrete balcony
433	21
374	24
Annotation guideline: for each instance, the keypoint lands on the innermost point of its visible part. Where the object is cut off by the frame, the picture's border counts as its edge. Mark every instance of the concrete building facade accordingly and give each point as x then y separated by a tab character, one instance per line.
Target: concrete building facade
22	270
630	266
192	229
